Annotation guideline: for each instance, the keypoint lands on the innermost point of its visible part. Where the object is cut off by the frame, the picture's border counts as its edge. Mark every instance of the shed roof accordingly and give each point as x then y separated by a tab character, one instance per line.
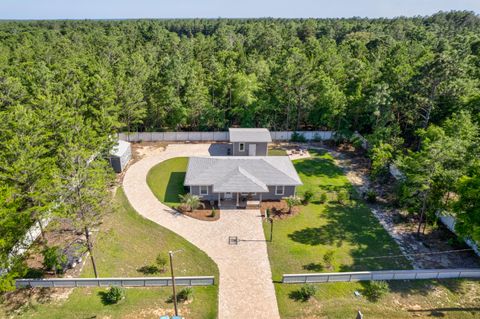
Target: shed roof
120	149
249	135
241	173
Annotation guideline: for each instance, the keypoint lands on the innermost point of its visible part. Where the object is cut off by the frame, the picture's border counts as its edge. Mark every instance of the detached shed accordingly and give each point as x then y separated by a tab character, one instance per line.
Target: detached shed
120	155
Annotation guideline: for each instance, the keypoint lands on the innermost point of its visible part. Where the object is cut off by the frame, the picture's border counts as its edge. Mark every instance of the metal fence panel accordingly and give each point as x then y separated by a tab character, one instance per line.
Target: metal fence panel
382	275
107	282
221	136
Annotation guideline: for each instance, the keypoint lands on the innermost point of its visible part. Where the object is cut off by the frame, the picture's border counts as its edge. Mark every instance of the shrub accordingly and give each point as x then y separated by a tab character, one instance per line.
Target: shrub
328	259
54	259
343	196
317	138
291	202
213	213
185	294
323	197
297	137
161	261
375	290
113	295
371	196
307	291
307	196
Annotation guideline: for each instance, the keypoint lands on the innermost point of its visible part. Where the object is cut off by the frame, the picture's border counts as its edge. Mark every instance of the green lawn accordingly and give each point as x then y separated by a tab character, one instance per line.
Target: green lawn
128	242
166	180
277	152
352	233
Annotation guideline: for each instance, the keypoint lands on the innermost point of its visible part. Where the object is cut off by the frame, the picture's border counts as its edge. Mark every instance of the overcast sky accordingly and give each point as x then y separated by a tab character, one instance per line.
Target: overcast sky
119	9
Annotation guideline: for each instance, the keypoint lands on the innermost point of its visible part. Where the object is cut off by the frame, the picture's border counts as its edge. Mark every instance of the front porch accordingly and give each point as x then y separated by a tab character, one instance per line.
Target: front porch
238	200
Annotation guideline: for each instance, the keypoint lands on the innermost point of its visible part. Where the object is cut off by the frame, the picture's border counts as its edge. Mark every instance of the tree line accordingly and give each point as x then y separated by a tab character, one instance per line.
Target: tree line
66	87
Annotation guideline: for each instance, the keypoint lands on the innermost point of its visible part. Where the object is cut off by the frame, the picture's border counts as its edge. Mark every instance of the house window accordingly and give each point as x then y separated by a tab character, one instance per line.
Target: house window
241	147
203	190
279	190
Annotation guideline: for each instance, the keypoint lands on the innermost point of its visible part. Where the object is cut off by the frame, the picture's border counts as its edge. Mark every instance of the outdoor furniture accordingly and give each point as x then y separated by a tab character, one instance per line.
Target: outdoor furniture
164	317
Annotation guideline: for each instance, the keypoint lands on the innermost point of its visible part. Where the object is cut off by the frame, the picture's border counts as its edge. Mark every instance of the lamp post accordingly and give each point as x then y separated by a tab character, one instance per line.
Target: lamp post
171	253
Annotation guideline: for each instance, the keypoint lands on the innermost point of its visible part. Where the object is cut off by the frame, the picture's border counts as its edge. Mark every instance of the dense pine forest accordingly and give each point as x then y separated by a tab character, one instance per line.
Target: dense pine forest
411	86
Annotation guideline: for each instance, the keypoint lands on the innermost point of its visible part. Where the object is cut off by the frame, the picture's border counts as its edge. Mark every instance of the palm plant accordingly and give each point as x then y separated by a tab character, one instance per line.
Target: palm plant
191	201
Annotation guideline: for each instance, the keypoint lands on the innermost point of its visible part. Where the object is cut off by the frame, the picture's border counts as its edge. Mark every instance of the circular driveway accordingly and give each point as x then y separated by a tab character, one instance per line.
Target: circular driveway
246	289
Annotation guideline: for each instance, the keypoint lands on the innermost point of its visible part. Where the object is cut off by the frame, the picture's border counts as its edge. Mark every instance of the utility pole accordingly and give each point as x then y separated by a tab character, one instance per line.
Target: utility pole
171	253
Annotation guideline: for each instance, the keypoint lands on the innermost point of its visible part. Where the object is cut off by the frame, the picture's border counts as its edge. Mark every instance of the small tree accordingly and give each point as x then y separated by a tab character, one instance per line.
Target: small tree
113	295
376	290
54	259
161	261
185	294
343	196
191	201
292	201
323	197
307	291
328	259
307	196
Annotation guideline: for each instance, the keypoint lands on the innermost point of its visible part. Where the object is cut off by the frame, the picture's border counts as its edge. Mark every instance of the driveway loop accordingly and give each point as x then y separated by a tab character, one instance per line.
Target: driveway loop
245	287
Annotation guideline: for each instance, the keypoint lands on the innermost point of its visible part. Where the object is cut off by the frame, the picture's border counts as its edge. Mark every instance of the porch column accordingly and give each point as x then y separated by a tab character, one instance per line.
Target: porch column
260	197
219	200
238	202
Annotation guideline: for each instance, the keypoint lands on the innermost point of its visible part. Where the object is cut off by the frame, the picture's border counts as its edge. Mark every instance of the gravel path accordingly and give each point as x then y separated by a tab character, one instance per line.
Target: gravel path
246	289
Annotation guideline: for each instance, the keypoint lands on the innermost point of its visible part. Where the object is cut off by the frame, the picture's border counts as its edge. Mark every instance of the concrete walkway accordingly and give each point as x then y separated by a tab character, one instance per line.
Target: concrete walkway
246	289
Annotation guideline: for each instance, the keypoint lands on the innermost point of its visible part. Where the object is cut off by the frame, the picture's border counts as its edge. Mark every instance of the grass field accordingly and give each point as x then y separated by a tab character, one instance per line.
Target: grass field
126	243
277	152
353	234
166	180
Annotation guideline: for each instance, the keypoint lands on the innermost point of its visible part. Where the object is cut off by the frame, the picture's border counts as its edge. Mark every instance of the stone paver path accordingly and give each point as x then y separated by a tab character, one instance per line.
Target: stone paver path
246	289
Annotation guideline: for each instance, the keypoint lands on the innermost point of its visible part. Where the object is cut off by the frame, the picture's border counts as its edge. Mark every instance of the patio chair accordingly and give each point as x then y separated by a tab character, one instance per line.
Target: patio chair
164	317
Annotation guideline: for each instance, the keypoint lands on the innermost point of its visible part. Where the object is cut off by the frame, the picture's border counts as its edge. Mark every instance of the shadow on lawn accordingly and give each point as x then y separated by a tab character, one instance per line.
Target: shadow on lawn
355	225
174	187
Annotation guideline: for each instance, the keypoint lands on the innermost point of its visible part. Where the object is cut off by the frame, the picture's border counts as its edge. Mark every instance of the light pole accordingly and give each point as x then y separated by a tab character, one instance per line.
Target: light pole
171	253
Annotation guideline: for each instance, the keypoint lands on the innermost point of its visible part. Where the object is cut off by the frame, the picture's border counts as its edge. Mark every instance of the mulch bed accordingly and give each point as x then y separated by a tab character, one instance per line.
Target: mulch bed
204	213
278	209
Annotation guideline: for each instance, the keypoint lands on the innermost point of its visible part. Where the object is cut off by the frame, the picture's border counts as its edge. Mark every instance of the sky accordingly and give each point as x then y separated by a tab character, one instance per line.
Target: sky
129	9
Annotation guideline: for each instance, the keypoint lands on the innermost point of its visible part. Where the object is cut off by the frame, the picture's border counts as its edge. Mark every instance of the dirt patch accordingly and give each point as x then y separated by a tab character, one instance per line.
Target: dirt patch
278	209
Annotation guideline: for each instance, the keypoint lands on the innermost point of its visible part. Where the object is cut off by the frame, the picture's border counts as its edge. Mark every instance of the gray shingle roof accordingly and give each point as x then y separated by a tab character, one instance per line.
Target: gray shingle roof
249	135
241	173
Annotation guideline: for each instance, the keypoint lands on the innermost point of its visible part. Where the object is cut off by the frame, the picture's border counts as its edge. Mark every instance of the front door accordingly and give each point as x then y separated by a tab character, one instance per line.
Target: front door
227	195
252	149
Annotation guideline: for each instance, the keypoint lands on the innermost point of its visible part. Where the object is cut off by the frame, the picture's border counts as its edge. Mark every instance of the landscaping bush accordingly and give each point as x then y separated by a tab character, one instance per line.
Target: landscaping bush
307	291
297	137
113	295
317	138
307	196
328	259
213	213
185	294
54	259
323	197
291	201
161	261
375	290
371	196
343	196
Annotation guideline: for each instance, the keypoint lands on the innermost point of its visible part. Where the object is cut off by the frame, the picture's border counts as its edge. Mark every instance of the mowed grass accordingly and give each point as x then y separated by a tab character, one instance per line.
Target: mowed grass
277	152
126	243
166	180
355	236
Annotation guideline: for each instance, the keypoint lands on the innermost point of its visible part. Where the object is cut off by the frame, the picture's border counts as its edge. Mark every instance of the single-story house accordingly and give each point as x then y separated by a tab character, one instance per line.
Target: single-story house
249	141
232	180
120	155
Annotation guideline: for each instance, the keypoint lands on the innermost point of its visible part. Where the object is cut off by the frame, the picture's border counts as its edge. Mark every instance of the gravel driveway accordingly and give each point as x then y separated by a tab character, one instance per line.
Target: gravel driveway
246	289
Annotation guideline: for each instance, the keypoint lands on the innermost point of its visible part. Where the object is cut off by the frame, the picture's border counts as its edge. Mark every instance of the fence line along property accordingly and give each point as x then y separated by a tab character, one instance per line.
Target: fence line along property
380	275
107	282
220	136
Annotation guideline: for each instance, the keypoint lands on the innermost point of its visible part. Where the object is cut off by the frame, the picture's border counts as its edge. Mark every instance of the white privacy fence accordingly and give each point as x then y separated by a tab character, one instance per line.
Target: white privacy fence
108	282
380	275
214	136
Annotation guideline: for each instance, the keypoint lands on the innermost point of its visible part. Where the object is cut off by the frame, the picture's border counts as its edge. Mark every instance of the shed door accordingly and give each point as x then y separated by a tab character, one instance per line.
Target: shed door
252	149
